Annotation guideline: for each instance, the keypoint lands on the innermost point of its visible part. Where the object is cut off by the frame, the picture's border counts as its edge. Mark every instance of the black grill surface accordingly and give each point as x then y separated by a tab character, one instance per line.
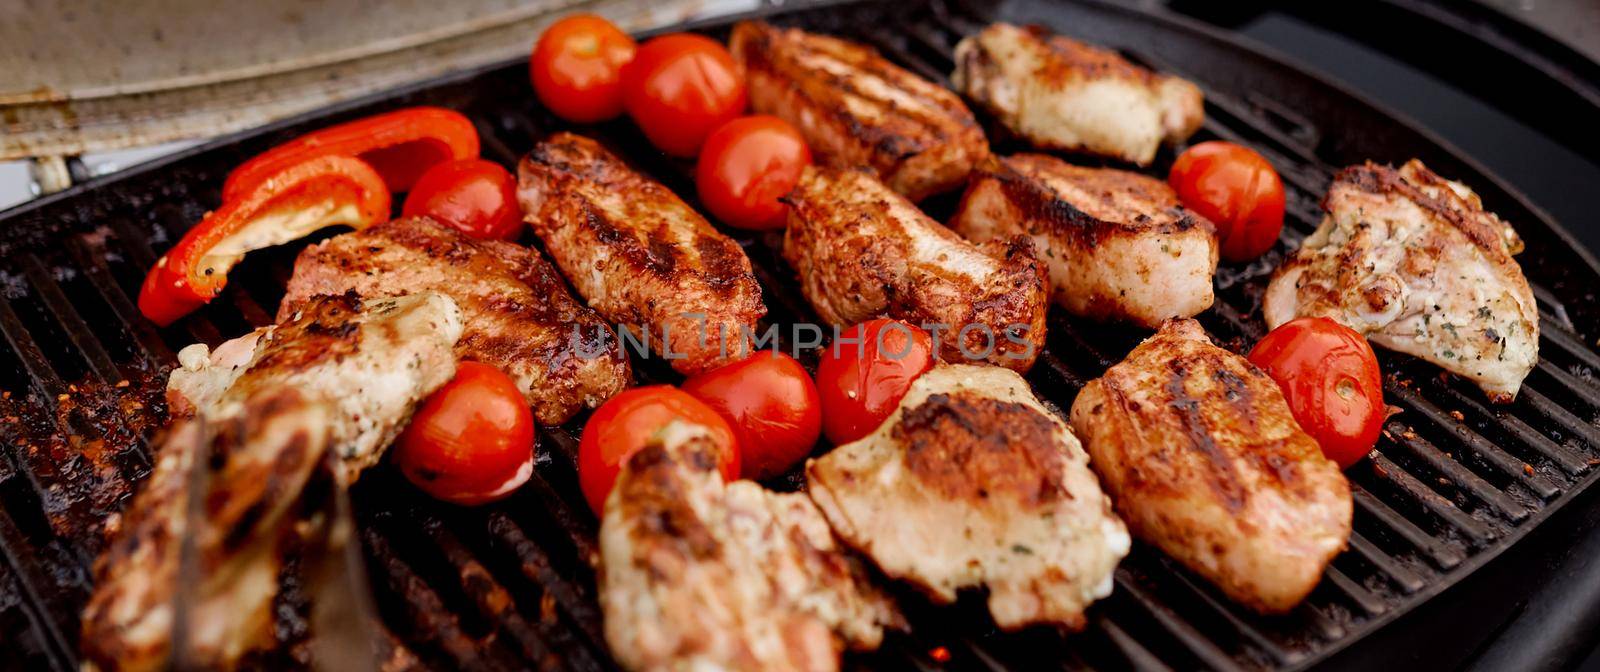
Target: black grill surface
1453	483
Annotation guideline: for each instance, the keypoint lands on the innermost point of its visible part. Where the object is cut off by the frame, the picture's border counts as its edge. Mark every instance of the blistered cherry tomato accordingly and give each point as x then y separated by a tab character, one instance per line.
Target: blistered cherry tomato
771	403
680	87
1330	377
745	166
576	68
471	442
1236	189
865	372
476	197
625	423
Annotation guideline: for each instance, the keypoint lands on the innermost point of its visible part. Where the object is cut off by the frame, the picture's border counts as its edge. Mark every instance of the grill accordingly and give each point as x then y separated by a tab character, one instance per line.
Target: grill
1453	483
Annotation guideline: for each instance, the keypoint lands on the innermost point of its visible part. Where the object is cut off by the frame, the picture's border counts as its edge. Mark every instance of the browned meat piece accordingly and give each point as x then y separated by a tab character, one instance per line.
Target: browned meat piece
639	255
972	482
267	452
698	574
373	359
862	250
341	377
1201	456
1063	94
519	316
1415	263
1118	244
857	109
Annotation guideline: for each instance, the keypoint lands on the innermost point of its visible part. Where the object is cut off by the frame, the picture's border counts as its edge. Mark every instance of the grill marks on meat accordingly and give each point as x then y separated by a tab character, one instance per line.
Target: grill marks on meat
518	314
1059	93
972	482
1117	244
343	376
373	359
857	109
1415	263
638	254
266	455
1204	461
699	574
862	250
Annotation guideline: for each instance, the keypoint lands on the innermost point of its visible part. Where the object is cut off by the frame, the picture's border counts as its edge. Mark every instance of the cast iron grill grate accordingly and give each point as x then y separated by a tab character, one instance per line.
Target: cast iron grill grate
1453	483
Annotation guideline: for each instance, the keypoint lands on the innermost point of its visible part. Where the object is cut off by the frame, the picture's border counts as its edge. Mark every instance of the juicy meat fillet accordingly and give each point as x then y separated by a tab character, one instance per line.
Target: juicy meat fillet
267	452
204	375
1201	456
1413	261
856	109
518	314
341	377
1059	93
638	254
972	482
862	250
373	359
699	574
1118	245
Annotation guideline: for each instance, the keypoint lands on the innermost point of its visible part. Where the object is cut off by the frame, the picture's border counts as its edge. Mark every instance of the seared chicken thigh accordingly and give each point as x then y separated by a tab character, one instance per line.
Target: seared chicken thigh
373	359
268	452
856	109
1118	244
1203	459
341	377
1059	93
698	574
639	255
862	250
1414	262
972	482
518	314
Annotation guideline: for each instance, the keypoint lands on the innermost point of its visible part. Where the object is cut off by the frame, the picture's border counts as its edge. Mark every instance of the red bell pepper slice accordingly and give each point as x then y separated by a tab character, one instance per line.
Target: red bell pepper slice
321	192
401	145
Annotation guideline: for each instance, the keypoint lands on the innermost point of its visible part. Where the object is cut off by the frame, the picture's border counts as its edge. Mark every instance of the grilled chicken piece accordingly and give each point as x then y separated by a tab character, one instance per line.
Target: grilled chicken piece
698	574
204	375
1059	93
268	452
518	314
857	109
373	359
862	250
1414	262
973	482
1118	244
639	255
341	377
1201	456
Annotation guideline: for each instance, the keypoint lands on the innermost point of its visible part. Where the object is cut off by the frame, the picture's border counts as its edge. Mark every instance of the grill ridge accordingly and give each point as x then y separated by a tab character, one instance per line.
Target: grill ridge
1453	481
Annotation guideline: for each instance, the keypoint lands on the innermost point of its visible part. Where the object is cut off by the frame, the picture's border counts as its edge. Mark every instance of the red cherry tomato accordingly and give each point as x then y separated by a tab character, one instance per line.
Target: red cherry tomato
471	442
745	166
771	403
622	425
1330	377
477	197
576	68
861	384
680	87
1235	188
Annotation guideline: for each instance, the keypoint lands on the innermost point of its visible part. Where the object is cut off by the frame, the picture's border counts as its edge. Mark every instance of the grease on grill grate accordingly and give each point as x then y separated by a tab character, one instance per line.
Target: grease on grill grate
511	585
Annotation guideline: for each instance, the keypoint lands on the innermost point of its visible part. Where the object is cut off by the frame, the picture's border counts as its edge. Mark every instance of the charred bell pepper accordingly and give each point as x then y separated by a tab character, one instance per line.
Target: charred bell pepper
302	198
400	145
